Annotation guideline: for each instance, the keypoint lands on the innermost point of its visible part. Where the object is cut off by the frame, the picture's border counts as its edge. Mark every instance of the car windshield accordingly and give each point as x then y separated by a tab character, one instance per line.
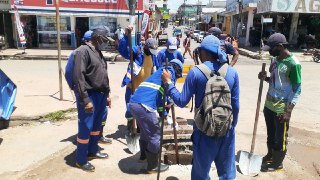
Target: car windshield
201	33
196	31
177	30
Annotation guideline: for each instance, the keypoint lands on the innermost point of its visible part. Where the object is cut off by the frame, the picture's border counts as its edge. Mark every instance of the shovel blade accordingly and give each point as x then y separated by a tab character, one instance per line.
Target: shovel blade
249	164
133	143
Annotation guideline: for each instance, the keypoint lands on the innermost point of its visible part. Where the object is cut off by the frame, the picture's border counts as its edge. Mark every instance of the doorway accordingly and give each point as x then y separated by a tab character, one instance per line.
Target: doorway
82	25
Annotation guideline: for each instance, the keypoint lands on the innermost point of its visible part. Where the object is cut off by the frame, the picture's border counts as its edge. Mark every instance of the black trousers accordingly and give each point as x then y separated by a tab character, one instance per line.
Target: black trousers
276	130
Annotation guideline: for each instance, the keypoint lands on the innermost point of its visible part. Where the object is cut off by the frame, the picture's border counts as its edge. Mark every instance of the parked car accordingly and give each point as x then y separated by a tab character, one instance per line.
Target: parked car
176	32
194	34
200	36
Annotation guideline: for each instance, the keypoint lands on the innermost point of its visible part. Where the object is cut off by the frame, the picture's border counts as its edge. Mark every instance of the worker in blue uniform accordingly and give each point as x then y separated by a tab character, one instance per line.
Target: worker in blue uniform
145	63
144	103
69	78
207	149
171	52
91	86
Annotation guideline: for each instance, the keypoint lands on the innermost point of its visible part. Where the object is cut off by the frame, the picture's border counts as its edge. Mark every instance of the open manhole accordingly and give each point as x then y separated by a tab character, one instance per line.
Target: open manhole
184	131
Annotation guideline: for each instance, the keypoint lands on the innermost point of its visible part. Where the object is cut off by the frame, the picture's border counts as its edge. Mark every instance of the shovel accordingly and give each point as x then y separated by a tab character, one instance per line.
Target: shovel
250	164
133	137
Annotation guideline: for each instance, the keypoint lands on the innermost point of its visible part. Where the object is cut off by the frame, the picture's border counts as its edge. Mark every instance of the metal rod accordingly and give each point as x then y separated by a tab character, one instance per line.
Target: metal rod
59	48
162	124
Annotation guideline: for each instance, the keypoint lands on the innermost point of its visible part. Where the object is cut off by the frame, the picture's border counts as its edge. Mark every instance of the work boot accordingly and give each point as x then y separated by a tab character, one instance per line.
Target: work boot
152	159
268	158
129	125
98	155
86	167
276	164
104	140
143	147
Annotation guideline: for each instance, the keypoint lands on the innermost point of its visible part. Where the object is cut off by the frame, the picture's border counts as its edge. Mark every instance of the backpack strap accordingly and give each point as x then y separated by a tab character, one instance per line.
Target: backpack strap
223	70
205	70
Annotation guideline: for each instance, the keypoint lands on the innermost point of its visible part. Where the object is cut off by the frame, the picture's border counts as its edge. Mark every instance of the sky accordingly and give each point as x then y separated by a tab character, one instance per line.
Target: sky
173	5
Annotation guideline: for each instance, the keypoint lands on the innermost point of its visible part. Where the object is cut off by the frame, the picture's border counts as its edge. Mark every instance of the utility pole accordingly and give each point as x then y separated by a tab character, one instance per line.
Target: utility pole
59	49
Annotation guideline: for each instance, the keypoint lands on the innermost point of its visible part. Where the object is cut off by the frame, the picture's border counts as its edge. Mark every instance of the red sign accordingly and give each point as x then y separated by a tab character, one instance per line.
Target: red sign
79	4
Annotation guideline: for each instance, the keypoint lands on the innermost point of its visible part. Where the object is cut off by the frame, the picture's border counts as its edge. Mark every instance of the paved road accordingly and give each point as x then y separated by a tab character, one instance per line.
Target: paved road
33	75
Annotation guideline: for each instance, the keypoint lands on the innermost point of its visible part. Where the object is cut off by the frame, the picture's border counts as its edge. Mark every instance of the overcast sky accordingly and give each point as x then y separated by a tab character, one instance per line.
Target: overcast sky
173	5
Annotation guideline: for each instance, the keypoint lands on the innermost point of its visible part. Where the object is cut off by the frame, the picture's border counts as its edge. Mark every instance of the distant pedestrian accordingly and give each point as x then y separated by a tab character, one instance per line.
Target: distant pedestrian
208	148
186	45
283	93
91	86
225	46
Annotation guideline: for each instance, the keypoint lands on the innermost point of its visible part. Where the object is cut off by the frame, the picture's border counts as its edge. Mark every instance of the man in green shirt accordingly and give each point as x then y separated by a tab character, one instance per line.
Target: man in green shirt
283	93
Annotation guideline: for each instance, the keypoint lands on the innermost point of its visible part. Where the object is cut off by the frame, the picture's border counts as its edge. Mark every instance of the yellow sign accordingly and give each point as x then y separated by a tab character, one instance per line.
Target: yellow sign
165	16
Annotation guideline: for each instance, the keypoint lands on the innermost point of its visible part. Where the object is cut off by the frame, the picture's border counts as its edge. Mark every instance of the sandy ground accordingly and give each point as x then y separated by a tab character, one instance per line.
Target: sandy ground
302	161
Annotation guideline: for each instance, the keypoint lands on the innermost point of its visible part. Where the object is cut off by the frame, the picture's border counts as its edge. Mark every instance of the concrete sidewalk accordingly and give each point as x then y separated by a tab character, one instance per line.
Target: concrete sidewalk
254	53
48	54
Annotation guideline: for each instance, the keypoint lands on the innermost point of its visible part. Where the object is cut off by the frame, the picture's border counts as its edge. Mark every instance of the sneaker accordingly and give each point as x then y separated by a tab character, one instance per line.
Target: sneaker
86	167
271	168
104	140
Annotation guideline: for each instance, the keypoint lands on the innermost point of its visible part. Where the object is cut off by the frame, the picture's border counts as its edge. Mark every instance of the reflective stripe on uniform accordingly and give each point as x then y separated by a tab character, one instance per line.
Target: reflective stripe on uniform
82	141
94	133
284	136
153	86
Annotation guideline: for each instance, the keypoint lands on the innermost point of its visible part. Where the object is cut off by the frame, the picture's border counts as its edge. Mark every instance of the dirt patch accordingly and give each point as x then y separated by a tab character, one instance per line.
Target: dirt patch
304	147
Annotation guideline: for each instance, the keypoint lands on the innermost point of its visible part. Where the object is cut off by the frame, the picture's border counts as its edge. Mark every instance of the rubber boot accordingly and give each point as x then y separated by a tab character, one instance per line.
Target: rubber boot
276	164
268	158
143	147
102	139
152	159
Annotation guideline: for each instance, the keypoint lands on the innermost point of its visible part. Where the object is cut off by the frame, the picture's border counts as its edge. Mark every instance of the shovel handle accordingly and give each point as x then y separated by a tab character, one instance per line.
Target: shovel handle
257	112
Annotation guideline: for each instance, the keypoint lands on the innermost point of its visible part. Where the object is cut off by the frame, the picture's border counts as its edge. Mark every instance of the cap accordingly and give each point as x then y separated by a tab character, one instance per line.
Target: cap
178	62
215	31
104	32
87	36
212	44
173	43
151	43
274	40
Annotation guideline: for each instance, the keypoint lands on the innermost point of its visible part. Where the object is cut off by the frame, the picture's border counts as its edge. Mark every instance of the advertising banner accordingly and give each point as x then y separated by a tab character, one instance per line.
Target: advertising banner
145	21
286	6
22	38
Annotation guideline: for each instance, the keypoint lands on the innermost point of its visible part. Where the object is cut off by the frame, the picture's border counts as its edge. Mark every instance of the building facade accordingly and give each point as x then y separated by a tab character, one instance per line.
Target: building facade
76	16
6	24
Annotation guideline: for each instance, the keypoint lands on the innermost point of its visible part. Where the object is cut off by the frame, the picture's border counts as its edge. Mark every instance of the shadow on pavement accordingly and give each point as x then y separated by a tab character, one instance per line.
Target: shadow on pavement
130	165
71	159
70	139
120	133
172	178
1	140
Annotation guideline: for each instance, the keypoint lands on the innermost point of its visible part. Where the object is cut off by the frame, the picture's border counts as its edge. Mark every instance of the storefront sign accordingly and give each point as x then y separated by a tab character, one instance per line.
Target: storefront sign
71	6
4	4
292	6
19	27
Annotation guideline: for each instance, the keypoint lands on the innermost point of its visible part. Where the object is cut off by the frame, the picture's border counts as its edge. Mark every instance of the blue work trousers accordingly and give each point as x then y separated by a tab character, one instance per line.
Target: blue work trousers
220	150
89	125
149	126
128	94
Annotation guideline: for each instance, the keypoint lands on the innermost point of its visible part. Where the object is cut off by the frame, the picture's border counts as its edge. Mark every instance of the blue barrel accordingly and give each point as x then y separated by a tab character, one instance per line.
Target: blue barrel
7	96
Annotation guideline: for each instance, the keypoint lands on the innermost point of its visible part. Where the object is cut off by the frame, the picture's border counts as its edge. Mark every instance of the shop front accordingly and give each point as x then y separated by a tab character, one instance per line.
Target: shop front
76	17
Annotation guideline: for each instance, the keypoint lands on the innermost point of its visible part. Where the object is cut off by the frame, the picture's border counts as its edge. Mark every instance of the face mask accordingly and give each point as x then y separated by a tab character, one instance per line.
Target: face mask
147	52
171	51
275	52
154	52
102	46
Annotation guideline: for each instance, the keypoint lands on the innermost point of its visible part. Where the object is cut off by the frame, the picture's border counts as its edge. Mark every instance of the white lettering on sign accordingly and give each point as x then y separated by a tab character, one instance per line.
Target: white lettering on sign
291	6
93	1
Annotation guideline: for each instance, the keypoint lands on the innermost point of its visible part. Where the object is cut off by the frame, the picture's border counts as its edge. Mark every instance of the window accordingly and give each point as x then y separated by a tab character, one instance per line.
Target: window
49	2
